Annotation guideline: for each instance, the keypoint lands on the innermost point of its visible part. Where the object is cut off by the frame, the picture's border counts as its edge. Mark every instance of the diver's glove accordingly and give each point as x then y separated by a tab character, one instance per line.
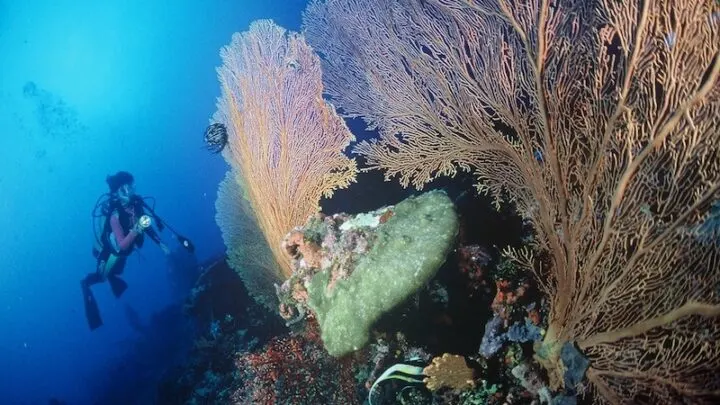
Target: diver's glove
142	224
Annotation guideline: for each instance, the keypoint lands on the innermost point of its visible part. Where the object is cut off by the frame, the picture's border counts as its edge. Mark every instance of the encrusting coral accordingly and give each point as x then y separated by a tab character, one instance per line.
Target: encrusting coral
367	265
450	371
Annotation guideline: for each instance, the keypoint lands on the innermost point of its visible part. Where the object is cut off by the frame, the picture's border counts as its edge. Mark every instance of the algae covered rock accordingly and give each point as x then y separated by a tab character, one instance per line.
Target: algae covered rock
349	270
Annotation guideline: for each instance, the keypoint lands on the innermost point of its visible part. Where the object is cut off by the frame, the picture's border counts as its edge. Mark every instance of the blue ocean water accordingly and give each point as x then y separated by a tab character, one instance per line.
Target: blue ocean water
89	88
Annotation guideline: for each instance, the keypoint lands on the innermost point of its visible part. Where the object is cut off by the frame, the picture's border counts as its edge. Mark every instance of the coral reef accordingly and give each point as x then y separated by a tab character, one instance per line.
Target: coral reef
473	260
294	370
448	370
598	122
368	264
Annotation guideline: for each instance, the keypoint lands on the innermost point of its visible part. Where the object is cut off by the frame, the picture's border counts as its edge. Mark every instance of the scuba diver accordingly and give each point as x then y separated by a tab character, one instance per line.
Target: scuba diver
122	218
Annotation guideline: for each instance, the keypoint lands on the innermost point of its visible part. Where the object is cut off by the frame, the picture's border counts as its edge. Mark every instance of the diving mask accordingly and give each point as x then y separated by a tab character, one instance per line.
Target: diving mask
126	191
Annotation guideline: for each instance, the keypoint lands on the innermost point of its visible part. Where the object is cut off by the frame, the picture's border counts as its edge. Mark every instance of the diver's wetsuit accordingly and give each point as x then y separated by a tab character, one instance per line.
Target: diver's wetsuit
119	241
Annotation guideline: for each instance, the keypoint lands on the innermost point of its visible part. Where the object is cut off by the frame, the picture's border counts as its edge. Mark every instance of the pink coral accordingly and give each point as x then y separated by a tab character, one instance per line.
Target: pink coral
294	370
297	247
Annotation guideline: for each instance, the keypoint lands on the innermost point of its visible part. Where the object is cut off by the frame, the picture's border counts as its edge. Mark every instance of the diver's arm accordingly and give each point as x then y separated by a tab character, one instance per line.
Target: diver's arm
124	241
152	233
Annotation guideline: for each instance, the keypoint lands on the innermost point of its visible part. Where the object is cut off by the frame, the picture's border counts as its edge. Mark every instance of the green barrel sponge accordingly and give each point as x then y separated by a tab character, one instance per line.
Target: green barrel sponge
408	248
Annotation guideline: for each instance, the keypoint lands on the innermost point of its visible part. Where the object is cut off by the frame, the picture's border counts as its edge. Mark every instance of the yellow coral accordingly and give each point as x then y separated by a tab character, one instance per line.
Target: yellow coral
449	370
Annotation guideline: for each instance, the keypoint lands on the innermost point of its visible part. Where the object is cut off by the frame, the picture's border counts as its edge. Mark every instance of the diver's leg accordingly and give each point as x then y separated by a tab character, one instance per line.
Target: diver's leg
108	264
102	267
92	279
92	313
117	284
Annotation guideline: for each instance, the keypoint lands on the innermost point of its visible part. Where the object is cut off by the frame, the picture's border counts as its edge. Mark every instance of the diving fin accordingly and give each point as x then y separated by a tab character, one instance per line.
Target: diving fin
117	285
92	313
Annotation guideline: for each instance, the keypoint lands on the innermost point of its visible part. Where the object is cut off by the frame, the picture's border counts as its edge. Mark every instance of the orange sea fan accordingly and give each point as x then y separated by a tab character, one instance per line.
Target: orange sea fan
285	142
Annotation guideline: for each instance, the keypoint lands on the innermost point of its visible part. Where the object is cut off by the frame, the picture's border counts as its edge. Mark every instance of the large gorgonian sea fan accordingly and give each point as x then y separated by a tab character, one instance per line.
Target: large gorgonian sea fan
600	121
248	253
285	143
